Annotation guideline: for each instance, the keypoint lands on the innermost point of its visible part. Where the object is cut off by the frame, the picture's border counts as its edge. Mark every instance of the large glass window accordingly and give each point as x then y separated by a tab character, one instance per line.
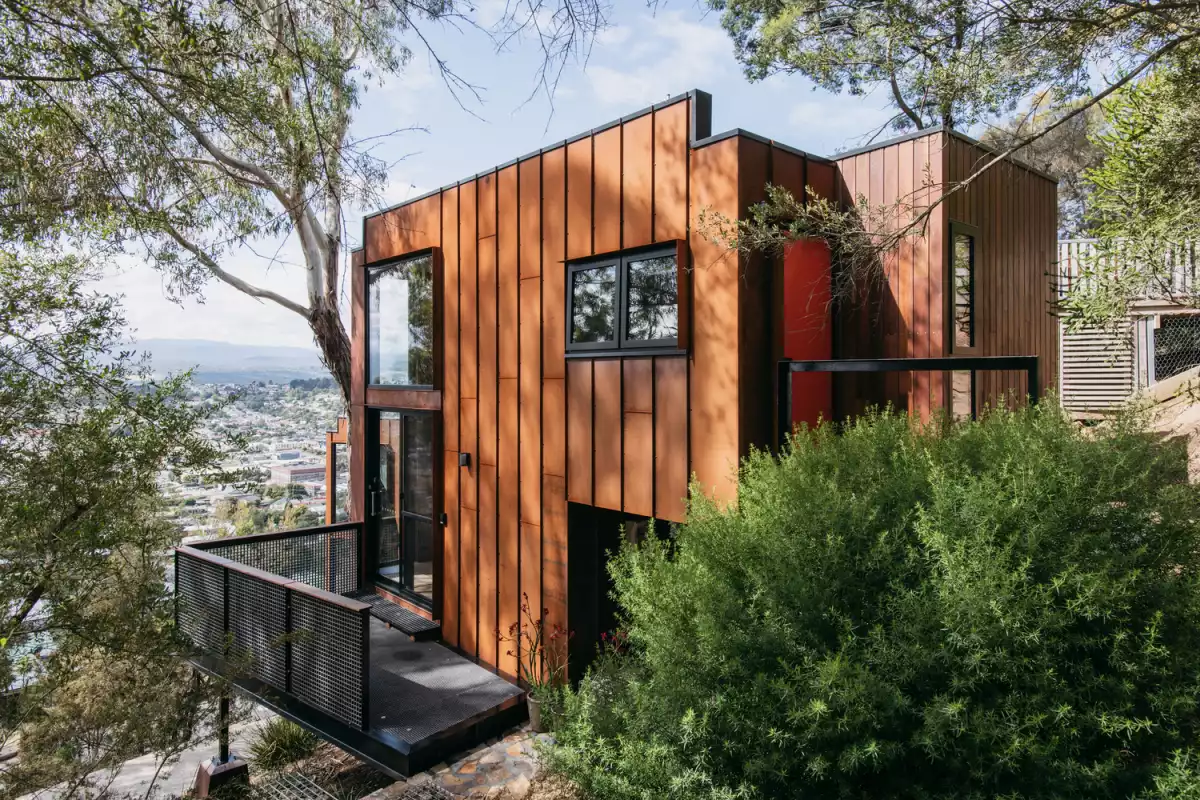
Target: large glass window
630	301
400	323
962	256
401	502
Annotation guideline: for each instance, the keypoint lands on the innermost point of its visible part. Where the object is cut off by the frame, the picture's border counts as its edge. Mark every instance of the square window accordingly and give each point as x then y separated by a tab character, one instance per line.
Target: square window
594	304
400	323
652	307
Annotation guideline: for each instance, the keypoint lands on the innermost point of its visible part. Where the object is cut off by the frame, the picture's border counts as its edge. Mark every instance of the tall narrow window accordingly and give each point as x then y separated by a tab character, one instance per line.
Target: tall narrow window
400	323
962	255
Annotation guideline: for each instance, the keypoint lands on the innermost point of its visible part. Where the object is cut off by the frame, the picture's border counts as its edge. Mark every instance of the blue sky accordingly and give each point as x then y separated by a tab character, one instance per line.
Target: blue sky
643	57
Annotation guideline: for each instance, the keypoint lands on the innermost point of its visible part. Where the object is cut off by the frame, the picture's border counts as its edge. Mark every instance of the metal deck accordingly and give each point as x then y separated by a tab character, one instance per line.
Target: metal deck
419	690
426	703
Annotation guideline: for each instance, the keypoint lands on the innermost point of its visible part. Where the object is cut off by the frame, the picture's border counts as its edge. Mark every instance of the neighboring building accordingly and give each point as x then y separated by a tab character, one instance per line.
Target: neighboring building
1103	367
296	473
546	351
288	455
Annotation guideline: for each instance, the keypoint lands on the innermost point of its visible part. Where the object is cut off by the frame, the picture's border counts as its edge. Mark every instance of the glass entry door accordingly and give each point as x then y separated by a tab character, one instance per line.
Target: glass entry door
401	500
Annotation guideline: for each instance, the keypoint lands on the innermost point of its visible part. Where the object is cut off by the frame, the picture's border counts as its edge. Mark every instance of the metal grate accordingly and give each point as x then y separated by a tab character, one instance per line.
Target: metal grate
329	656
325	557
258	622
1176	345
290	786
260	604
201	606
399	617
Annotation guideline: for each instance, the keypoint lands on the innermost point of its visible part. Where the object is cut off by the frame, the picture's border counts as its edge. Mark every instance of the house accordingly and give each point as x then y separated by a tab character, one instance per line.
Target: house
543	354
1103	367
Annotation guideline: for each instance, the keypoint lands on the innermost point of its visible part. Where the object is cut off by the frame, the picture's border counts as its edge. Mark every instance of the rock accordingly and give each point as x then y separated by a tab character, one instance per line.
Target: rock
492	757
518	788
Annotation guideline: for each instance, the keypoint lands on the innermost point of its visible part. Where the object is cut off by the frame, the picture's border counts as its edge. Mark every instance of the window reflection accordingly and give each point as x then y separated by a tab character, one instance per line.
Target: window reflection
400	323
593	304
653	299
964	290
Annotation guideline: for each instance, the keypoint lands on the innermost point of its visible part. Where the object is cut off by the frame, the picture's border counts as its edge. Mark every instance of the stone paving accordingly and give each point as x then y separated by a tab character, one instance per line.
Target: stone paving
499	768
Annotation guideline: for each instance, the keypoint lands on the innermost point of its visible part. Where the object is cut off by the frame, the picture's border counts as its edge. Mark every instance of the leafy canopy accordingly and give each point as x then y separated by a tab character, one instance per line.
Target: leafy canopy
88	625
1009	608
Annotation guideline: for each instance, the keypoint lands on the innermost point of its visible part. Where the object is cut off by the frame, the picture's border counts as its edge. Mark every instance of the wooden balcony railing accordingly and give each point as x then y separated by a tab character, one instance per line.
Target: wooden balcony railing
270	607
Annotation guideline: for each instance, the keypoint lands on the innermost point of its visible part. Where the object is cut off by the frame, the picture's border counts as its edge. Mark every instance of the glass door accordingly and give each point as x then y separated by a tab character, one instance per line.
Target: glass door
401	502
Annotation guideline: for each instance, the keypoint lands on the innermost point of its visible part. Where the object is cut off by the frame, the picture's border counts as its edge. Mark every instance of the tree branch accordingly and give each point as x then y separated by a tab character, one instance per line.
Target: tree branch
234	281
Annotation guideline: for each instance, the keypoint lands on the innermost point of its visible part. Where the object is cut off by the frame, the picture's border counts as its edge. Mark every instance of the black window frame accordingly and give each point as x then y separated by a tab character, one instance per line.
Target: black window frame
371	270
621	261
583	266
963	229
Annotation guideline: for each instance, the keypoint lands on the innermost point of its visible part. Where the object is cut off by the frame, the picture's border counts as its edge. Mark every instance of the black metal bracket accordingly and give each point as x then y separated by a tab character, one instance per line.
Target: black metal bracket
972	364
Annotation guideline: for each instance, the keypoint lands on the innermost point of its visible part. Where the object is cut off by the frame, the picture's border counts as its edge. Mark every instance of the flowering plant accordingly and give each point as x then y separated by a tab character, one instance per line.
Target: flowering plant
540	649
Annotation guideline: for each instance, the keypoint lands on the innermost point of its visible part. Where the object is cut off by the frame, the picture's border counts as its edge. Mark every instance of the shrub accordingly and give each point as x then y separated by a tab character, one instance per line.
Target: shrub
1006	608
280	743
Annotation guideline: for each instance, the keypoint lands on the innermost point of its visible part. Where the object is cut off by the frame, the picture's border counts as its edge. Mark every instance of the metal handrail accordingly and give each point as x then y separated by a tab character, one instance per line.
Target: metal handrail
277	616
972	364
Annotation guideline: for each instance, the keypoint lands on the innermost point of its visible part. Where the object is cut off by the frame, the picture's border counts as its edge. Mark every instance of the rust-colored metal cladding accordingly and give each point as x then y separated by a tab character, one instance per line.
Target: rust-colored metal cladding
594	347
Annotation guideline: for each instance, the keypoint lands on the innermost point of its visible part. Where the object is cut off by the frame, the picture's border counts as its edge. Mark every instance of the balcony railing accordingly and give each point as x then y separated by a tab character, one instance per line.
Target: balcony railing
270	607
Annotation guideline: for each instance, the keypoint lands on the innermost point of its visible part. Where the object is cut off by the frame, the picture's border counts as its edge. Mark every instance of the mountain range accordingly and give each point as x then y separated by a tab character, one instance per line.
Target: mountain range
224	362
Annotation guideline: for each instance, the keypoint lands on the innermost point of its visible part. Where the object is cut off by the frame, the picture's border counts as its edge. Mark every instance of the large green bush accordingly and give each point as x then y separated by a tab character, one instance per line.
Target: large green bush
1006	608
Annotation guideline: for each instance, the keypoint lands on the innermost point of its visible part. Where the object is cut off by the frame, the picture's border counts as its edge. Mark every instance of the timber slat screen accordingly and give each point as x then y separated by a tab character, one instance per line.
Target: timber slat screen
960	364
270	608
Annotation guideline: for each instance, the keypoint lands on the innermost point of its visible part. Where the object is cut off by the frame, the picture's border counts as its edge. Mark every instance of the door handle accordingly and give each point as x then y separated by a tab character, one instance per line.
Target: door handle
374	503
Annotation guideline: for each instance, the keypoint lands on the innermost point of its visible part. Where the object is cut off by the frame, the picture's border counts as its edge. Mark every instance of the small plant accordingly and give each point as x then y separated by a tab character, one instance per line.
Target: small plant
281	743
541	655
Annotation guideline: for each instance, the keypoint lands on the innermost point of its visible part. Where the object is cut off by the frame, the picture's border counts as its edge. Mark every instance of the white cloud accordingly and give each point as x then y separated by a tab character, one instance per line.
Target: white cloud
661	55
841	122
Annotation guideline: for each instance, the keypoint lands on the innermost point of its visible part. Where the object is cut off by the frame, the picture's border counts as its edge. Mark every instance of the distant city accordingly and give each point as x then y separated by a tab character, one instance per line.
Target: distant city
284	404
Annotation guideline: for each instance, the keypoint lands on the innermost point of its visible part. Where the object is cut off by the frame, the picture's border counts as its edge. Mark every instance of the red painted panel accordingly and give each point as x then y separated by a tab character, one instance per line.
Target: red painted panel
808	331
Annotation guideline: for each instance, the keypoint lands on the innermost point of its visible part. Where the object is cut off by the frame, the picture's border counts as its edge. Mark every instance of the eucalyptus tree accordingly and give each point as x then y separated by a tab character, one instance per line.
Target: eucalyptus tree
184	129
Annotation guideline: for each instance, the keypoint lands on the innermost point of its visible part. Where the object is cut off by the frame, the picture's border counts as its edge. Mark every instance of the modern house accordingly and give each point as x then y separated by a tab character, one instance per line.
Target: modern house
545	352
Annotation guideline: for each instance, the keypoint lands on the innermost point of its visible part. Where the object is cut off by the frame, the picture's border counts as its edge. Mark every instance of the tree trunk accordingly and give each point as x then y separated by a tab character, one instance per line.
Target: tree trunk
330	335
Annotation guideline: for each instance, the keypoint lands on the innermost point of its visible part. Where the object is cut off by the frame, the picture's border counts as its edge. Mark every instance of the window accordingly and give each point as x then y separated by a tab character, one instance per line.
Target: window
628	301
962	270
400	323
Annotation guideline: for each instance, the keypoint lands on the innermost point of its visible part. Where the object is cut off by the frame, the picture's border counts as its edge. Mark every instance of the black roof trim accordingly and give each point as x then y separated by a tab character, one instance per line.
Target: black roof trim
729	134
950	132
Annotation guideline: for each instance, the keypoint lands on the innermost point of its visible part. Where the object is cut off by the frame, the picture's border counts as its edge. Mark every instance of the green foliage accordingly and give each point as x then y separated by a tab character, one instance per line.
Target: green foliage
1146	196
280	743
83	531
1006	608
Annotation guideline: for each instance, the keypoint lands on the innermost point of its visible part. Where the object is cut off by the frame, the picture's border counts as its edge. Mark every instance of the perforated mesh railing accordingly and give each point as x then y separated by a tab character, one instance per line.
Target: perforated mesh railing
269	607
325	557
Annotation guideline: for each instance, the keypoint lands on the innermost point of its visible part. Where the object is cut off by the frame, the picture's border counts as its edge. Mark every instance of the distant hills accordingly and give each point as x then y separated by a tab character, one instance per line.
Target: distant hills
222	362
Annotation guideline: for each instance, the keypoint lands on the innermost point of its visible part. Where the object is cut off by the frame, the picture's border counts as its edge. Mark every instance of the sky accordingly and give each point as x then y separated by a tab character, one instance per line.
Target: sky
644	56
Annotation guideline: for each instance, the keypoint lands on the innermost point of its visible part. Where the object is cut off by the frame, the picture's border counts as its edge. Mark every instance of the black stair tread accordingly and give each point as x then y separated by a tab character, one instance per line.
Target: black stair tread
399	617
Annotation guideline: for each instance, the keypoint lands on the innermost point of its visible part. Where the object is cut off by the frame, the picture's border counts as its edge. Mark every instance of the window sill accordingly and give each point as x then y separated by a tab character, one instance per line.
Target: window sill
640	352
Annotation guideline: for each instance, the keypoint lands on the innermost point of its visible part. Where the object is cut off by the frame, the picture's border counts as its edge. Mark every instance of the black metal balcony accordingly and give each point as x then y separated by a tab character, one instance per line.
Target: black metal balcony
271	613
